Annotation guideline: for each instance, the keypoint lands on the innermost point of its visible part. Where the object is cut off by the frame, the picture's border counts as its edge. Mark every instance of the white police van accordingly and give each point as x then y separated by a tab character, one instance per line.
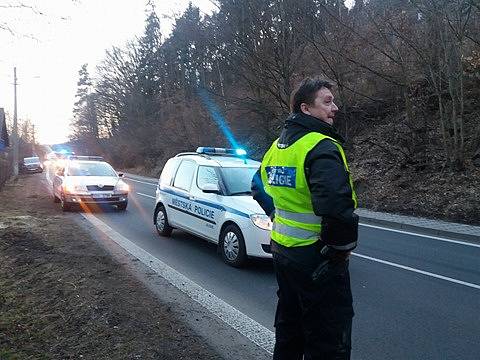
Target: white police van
207	193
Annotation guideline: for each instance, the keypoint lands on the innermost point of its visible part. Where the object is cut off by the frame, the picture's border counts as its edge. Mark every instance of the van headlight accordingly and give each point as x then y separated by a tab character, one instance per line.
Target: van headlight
262	221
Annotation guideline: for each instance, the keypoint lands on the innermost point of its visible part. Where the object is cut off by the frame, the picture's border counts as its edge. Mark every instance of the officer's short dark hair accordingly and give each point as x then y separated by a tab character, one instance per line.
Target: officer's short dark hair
306	92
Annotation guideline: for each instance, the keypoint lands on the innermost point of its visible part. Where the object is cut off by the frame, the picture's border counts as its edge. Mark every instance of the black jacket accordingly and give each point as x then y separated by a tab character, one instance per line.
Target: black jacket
328	182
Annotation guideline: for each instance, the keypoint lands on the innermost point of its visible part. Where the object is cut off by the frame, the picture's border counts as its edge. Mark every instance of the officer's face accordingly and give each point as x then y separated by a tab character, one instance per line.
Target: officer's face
323	107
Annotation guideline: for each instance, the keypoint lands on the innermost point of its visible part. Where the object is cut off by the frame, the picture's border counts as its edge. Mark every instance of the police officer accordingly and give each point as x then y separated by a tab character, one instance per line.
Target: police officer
305	185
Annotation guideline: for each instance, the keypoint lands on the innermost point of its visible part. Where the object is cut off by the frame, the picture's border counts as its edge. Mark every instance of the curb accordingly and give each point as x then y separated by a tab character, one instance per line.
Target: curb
419	229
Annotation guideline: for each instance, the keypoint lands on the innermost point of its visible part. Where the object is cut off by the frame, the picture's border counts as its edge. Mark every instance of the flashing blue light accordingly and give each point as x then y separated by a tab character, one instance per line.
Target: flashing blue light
221	151
217	116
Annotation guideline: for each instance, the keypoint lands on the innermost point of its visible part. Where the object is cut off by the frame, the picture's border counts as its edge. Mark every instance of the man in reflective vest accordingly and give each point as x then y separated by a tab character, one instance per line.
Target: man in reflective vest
305	172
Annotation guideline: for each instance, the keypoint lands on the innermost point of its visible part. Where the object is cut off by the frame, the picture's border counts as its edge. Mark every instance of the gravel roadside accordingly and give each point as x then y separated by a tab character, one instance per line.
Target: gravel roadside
62	295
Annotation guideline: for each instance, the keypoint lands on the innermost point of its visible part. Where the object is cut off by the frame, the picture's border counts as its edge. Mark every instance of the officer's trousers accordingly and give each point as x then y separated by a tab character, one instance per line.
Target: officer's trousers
312	322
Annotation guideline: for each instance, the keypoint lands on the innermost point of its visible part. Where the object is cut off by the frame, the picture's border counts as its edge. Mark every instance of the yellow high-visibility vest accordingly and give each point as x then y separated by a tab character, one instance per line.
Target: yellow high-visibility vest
283	176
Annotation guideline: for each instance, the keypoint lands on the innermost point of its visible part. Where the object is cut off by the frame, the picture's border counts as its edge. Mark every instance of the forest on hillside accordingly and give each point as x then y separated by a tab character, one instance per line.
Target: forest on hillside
407	77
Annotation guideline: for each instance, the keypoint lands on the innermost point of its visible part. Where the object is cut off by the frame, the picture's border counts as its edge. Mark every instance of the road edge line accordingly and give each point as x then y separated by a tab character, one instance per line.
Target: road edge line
252	330
418	271
421	230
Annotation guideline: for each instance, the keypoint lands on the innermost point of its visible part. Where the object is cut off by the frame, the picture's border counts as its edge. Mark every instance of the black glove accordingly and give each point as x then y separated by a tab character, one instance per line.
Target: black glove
333	263
322	273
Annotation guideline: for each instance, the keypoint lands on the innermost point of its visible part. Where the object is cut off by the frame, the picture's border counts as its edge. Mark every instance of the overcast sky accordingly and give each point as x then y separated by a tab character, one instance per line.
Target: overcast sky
48	41
51	42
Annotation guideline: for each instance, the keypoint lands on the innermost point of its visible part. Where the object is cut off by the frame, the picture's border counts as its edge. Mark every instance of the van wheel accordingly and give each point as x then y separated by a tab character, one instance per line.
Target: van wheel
232	246
161	221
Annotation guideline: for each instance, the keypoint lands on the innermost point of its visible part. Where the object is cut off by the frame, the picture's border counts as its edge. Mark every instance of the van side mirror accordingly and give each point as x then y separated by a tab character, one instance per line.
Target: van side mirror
210	189
121	174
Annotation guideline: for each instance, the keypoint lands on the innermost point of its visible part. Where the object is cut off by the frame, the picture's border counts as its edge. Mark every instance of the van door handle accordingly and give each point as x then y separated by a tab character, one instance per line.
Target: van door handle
192	198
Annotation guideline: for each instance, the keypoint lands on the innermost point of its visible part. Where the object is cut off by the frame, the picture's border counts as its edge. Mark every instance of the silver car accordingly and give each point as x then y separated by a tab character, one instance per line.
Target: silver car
83	182
31	165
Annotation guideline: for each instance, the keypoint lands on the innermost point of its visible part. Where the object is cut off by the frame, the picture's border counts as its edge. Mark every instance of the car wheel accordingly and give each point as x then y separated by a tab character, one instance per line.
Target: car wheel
122	207
65	205
232	246
161	222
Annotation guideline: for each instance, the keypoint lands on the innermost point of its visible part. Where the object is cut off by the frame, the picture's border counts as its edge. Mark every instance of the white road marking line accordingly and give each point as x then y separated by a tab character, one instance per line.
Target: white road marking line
142	182
475	286
421	235
403	266
150	196
246	326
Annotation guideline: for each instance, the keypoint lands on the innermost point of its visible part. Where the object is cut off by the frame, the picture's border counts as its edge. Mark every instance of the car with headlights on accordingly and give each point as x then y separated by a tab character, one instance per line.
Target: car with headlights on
88	180
207	193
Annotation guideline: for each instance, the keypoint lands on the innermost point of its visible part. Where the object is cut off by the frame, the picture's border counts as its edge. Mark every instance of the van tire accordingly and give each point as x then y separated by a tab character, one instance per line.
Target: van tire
232	246
161	221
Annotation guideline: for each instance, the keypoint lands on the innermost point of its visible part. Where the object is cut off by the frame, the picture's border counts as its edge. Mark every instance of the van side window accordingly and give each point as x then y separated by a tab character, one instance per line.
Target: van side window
183	179
168	171
206	175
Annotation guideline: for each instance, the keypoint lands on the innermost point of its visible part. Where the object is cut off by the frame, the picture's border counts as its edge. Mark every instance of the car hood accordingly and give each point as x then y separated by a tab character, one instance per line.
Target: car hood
247	204
92	180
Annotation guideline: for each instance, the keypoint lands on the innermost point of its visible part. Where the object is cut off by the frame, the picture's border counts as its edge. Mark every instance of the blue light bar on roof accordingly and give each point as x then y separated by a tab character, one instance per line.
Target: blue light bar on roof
221	151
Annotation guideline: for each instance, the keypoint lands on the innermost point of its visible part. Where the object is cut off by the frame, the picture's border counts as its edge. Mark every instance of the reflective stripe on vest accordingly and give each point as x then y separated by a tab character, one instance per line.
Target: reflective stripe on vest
300	217
295	232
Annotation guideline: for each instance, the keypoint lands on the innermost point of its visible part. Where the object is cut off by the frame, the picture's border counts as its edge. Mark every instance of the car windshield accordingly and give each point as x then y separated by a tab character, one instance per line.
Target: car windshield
90	169
238	180
31	160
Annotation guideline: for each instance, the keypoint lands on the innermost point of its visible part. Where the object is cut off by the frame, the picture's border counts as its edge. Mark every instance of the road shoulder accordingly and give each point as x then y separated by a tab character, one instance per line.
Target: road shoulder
222	338
62	295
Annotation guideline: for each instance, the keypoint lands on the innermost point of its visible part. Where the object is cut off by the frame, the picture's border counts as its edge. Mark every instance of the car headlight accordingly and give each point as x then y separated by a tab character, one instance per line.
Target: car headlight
74	189
262	221
122	186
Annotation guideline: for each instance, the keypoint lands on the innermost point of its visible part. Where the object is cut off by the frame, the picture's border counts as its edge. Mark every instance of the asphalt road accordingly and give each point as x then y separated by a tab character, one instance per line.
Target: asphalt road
401	313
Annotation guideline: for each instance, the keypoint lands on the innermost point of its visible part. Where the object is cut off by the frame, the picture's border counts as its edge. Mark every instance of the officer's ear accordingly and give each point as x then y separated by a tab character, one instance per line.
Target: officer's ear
304	107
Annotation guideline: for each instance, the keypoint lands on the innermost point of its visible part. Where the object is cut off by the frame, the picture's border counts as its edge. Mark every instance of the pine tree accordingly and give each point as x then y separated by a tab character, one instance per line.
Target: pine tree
85	123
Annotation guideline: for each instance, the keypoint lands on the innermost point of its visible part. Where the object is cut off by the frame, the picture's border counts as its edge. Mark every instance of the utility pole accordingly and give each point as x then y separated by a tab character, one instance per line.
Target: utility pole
15	130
